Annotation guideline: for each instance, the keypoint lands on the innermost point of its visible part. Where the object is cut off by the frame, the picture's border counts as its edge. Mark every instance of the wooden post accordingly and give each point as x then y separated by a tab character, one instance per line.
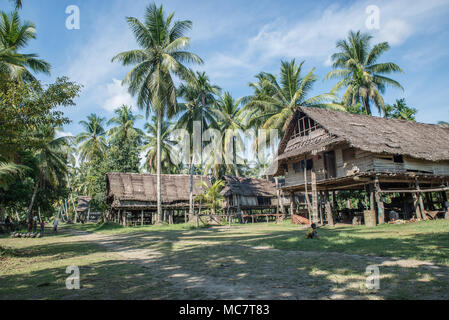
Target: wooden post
372	206
141	218
334	202
292	203
314	198
278	194
320	206
239	211
380	204
329	213
420	201
416	206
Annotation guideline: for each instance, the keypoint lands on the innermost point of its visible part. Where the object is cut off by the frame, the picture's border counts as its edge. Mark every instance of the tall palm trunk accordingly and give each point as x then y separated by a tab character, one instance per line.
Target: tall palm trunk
33	198
191	213
367	106
158	170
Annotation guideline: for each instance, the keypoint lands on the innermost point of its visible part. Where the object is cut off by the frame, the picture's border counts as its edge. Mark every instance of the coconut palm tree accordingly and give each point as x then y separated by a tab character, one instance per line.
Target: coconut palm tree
125	121
229	116
9	170
17	3
400	110
168	153
92	141
14	36
51	155
212	194
161	56
356	65
274	102
199	96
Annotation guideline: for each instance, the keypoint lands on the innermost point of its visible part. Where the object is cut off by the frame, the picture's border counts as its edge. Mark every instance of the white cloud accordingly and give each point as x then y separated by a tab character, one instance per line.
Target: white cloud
314	37
60	134
116	95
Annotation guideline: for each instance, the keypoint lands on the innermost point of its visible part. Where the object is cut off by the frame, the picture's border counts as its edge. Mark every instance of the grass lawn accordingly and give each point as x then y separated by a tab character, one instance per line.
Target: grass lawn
270	261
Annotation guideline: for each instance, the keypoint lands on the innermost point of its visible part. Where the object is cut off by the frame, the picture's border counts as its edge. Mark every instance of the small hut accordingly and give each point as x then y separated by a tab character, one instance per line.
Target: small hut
324	152
132	197
83	209
251	199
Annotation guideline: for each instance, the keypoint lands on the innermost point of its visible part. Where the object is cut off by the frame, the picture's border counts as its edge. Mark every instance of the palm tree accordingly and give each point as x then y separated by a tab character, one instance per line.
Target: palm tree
360	73
17	3
93	142
212	195
51	155
9	170
199	96
162	55
15	35
168	153
400	110
229	116
274	102
125	121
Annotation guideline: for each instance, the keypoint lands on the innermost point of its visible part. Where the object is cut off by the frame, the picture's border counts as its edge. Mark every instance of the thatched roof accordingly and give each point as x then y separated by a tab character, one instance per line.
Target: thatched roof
83	203
248	187
372	134
142	187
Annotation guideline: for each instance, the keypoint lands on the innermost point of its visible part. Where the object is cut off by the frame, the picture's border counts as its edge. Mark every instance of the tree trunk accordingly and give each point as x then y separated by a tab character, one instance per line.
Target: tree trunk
191	212
379	201
328	208
158	170
33	198
74	208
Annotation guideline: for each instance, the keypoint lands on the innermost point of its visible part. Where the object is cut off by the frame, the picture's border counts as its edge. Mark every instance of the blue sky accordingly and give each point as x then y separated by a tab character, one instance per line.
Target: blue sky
238	39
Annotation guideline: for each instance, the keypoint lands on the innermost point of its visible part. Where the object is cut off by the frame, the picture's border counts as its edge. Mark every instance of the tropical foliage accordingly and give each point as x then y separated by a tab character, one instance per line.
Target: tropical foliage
275	100
162	55
38	170
400	110
212	195
363	77
93	139
14	36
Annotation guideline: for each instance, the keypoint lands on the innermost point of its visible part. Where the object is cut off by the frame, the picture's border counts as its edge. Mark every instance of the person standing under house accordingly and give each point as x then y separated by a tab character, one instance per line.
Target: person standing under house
34	224
8	224
55	225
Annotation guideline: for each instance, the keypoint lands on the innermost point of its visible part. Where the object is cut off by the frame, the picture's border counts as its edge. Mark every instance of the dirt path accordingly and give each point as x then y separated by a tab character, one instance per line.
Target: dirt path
201	270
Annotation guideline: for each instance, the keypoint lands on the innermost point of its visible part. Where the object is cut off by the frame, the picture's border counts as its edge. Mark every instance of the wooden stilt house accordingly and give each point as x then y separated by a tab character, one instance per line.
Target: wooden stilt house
132	197
251	199
324	152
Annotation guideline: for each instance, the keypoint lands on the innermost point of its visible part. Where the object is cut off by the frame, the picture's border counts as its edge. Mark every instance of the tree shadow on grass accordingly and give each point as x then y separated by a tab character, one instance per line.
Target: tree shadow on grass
212	264
223	266
111	279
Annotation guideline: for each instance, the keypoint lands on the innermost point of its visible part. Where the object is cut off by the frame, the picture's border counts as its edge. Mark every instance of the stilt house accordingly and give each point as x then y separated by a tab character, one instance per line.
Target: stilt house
132	197
324	152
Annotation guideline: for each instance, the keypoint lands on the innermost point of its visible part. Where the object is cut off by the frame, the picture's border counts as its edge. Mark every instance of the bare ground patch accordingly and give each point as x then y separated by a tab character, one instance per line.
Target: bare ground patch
214	264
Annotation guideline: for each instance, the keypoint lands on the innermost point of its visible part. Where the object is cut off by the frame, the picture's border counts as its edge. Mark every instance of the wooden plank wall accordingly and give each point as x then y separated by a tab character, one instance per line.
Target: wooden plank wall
364	161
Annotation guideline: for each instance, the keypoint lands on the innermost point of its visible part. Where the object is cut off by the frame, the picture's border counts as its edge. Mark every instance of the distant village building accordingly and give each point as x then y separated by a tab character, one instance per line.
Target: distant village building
132	197
83	208
251	198
324	152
